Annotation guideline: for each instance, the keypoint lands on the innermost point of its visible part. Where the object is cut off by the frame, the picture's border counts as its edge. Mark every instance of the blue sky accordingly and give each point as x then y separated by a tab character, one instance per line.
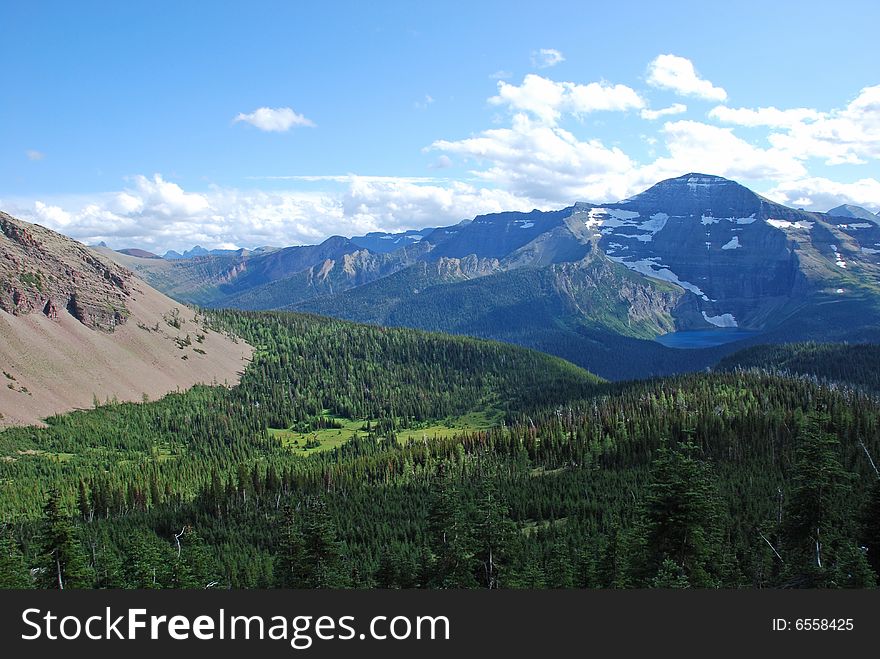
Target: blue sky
167	124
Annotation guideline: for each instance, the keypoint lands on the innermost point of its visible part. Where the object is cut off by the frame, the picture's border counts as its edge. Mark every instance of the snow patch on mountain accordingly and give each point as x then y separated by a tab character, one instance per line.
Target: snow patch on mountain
732	244
785	224
649	268
724	320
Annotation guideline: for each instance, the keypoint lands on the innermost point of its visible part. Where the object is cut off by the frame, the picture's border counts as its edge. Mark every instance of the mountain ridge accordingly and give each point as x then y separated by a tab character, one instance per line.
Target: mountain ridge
702	252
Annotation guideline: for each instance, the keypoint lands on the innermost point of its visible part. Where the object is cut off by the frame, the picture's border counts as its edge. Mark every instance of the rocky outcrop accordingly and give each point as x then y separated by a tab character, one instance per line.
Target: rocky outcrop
43	271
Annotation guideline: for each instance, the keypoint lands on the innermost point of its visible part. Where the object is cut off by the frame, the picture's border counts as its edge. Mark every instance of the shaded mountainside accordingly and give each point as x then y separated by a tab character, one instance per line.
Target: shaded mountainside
593	283
75	327
853	364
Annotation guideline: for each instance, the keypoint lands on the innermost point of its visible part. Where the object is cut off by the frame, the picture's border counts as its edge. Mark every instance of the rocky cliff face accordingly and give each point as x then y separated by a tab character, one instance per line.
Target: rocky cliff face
44	272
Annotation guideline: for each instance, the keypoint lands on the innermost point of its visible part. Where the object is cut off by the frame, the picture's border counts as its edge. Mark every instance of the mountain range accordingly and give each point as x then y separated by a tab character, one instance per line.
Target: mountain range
589	282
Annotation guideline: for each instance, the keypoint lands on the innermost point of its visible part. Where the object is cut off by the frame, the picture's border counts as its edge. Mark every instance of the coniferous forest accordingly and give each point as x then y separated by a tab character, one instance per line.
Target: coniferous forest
472	464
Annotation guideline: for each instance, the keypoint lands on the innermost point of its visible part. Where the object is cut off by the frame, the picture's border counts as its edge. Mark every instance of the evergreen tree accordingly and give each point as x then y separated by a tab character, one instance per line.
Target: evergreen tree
325	564
451	537
560	571
13	568
63	563
670	575
291	562
870	530
493	534
818	529
680	519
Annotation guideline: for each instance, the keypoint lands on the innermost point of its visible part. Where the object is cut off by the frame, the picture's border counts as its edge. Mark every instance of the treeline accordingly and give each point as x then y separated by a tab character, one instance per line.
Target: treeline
737	479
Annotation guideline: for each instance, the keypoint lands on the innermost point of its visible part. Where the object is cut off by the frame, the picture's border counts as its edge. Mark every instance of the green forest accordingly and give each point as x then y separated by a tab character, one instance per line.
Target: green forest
759	473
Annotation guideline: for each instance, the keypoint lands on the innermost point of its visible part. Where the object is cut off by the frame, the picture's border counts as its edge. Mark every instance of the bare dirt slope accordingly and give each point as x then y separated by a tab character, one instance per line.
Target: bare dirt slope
76	327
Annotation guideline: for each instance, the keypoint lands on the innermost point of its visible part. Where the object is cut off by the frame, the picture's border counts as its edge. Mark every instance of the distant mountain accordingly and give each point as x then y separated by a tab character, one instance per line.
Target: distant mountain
594	283
855	212
382	243
198	250
140	253
76	327
270	279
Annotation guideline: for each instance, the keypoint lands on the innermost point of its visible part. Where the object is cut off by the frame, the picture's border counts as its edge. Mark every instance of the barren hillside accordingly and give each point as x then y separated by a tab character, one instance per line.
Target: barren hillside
76	327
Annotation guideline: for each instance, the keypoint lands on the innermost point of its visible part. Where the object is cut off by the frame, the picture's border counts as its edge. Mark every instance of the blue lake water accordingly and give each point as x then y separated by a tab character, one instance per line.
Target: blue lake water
704	338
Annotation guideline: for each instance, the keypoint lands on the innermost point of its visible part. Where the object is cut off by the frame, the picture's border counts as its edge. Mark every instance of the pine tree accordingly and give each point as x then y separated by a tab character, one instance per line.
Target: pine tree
323	551
670	575
13	568
818	529
680	519
291	562
870	524
560	571
493	533
63	563
451	537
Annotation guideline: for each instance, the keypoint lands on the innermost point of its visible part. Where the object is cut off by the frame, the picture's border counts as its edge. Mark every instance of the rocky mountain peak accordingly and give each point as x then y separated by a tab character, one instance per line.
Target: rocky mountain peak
852	211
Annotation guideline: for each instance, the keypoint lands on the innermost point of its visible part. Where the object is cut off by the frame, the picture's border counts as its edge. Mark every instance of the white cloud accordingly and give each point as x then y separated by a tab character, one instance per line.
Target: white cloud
771	116
274	119
539	161
33	154
822	194
848	135
158	215
443	162
675	108
699	147
501	74
547	57
679	75
548	100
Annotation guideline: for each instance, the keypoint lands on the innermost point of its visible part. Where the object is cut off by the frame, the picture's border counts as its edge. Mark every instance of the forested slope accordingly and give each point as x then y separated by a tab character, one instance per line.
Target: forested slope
712	480
854	364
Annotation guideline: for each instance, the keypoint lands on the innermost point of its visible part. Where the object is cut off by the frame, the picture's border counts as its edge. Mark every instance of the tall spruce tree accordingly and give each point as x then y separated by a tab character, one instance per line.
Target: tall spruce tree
14	572
680	520
451	536
819	527
63	562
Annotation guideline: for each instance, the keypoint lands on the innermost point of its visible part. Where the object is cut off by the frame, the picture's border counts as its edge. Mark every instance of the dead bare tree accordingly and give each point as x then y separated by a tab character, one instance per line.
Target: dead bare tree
177	537
770	544
870	459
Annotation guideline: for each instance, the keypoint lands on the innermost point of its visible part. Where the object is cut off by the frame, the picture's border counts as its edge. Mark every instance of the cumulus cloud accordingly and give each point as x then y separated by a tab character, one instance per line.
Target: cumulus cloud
158	215
696	146
679	75
651	115
848	135
33	154
276	120
540	161
822	194
548	100
547	57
